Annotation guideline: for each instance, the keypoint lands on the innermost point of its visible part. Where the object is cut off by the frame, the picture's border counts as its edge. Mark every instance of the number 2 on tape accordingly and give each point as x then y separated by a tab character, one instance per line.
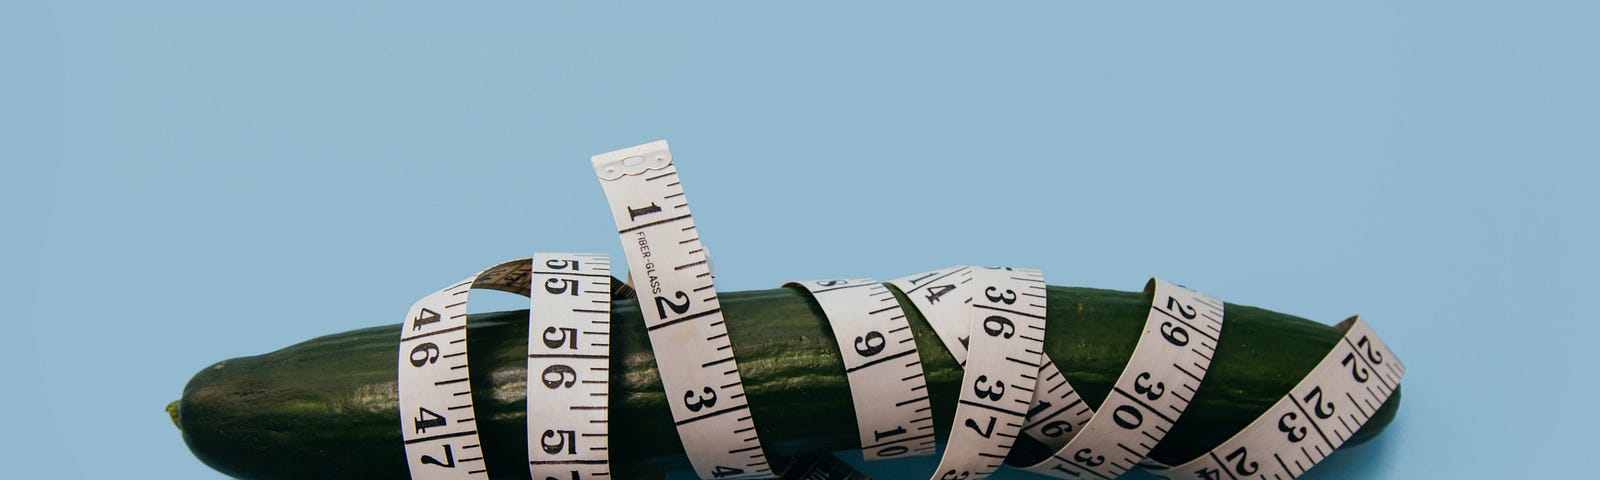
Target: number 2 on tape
682	315
1333	401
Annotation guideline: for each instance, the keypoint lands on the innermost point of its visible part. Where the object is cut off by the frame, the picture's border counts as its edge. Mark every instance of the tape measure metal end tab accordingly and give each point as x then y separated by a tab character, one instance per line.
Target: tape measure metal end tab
632	160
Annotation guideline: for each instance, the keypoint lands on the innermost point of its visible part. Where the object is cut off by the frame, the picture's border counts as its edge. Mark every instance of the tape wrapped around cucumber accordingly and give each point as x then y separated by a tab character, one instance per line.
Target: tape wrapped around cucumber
594	383
327	408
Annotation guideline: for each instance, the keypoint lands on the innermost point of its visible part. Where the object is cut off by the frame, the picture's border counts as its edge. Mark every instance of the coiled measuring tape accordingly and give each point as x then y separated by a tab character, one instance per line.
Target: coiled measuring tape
1328	406
567	424
1168	363
437	423
682	315
1056	413
1005	344
893	417
569	351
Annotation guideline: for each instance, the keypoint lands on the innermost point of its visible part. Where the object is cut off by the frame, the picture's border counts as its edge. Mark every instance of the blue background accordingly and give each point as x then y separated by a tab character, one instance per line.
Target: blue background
176	172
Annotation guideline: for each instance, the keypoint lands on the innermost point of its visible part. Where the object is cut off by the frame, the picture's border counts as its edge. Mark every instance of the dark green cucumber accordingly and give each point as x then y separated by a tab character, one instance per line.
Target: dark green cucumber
326	408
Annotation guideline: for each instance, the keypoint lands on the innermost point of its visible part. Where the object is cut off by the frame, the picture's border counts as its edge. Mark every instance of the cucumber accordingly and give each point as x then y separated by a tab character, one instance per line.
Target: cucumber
326	408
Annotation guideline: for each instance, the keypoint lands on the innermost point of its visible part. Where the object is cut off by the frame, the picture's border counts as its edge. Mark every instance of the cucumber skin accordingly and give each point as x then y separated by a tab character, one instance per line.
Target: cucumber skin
326	408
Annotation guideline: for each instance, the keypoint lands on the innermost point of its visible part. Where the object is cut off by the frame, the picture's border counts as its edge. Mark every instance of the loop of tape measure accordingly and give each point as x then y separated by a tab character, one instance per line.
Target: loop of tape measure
1155	387
992	320
437	422
881	364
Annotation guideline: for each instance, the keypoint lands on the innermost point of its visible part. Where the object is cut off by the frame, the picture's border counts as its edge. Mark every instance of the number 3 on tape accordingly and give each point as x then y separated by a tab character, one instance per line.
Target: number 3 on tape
1333	401
682	315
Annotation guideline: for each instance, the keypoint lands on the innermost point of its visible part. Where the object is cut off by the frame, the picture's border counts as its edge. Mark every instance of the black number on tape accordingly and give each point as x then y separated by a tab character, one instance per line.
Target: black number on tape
554	441
1128	417
1007	297
1357	371
662	304
1295	433
1372	355
449	458
982	431
1185	310
897	431
1316	393
424	317
936	291
426	419
722	471
429	353
1056	428
998	326
1242	464
558	376
568	336
1151	392
1083	457
1174	334
986	393
954	475
869	345
557	286
561	264
695	403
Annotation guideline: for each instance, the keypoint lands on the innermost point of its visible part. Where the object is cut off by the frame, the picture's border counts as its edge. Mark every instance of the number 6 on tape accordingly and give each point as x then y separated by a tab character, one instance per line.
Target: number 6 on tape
437	422
569	347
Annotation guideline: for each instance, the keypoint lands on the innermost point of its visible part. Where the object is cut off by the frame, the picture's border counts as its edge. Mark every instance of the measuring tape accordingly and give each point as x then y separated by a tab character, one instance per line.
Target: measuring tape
893	417
1056	413
1168	364
1005	345
681	312
569	351
437	423
1333	401
992	321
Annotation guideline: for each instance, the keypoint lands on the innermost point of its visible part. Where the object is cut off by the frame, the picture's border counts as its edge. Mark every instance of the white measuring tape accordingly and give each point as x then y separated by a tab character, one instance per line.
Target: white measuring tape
437	422
682	315
569	351
1005	345
1056	412
893	417
991	320
1168	364
1333	401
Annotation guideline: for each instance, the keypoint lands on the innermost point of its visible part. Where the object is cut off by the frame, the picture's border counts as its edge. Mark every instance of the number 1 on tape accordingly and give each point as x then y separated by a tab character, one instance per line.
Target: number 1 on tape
682	315
569	347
